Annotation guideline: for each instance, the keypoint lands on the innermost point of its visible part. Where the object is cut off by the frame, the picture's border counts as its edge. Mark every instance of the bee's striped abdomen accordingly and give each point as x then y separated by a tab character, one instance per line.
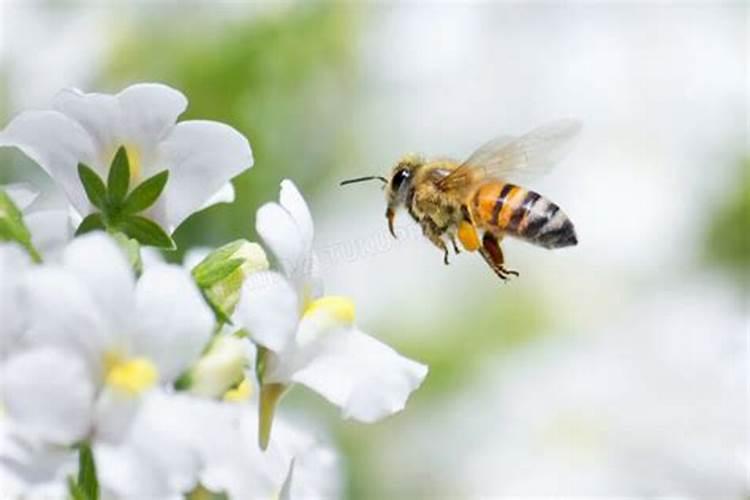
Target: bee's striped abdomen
511	209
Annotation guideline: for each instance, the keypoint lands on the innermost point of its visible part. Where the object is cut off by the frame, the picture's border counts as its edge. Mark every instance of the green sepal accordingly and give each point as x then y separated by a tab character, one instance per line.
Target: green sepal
92	222
75	491
86	482
13	228
183	382
202	493
119	177
146	193
94	186
210	275
146	231
204	271
221	316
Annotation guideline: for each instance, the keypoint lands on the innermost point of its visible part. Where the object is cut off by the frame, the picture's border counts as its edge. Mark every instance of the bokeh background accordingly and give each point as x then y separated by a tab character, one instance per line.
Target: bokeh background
615	368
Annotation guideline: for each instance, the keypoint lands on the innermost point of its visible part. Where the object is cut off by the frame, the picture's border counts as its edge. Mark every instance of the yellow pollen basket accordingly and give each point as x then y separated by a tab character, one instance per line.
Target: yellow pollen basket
132	376
467	235
341	308
239	394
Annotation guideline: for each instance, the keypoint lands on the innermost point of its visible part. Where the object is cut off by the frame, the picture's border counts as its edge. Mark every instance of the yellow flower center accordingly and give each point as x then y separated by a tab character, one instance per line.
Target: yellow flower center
134	159
340	308
239	394
132	376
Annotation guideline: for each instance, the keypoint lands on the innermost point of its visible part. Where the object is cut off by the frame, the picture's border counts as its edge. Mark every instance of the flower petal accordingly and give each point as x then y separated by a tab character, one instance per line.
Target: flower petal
293	202
268	309
137	118
124	473
313	473
50	230
366	378
23	194
224	195
48	392
282	235
148	111
57	144
63	313
287	228
101	266
173	323
202	156
99	115
13	261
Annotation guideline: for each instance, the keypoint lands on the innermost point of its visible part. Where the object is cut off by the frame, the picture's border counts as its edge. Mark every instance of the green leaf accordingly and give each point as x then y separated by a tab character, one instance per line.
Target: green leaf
146	193
119	177
76	492
208	276
87	481
146	231
13	228
91	222
93	185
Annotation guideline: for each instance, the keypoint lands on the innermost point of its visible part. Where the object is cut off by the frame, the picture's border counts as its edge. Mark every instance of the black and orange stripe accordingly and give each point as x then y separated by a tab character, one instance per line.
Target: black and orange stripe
505	208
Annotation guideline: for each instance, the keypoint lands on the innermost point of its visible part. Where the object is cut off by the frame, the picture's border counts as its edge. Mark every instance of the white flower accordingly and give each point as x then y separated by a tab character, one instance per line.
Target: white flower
201	156
312	340
97	340
30	468
51	227
178	441
14	262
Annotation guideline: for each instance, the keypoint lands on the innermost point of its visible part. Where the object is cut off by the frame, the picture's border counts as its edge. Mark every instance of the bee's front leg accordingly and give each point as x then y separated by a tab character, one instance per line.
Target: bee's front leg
453	242
434	233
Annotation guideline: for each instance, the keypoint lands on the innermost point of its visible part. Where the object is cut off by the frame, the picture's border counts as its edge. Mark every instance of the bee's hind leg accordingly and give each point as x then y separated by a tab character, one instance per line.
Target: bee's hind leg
433	233
493	255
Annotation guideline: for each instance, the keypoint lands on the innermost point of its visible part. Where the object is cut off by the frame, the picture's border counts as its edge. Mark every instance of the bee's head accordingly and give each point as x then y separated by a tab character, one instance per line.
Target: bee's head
399	184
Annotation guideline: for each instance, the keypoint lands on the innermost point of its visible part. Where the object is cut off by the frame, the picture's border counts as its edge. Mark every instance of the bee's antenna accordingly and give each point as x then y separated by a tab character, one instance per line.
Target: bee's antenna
362	179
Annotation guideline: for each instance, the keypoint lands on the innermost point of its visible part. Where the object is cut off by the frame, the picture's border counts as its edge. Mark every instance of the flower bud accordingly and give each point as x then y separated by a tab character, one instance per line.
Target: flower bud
221	274
220	368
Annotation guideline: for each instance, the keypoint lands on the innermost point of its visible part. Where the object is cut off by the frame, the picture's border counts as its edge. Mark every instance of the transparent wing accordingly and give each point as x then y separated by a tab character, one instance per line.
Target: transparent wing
532	154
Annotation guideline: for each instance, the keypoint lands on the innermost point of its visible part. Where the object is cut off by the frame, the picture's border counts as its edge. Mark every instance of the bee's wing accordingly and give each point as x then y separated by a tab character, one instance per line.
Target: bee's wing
534	153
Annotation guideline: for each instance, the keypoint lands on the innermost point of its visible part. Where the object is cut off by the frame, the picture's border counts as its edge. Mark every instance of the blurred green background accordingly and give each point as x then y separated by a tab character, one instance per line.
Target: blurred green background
326	91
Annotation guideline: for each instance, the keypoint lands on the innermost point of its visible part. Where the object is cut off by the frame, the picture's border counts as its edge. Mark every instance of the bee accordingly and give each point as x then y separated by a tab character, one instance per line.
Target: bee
476	202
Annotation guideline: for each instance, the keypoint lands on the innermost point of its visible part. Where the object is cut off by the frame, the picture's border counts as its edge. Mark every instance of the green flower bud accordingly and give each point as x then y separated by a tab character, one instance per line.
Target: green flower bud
221	274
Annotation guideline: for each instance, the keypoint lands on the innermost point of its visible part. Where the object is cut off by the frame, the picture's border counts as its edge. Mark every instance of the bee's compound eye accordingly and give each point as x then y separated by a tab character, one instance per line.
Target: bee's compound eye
398	178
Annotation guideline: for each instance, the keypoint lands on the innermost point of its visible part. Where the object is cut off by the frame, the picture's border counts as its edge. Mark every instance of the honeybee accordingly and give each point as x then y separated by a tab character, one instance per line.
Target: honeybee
452	200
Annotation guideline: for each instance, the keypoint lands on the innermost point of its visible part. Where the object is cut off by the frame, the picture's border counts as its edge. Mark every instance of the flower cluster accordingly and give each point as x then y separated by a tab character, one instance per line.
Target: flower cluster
123	376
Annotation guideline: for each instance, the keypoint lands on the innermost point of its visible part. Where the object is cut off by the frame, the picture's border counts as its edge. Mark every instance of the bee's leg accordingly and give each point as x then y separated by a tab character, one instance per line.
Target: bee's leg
493	255
453	242
433	233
